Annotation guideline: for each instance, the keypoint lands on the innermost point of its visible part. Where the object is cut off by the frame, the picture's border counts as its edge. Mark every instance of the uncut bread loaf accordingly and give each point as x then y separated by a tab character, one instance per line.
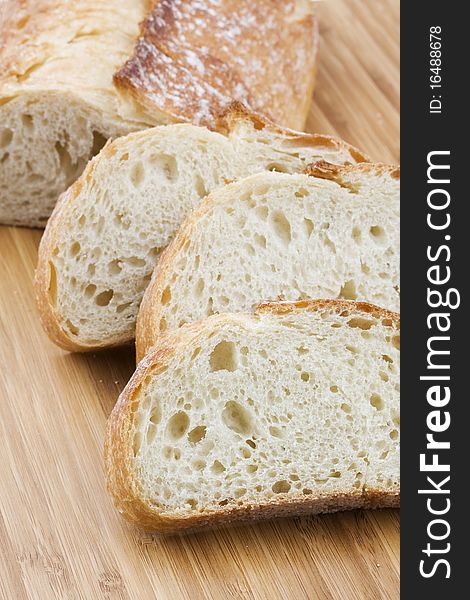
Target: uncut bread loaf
108	230
332	234
292	410
59	102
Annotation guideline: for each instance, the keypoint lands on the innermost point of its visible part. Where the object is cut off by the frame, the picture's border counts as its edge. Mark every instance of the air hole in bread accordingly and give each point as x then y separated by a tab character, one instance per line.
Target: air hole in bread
135	261
237	418
251	443
137	174
217	467
251	468
155	415
262	212
166	295
334	389
197	434
309	226
199	288
346	408
90	290
65	161
137	442
387	358
104	298
27	121
348	291
305	376
396	342
114	267
71	327
74	248
177	425
393	434
281	487
124	156
198	464
377	402
120	308
281	226
356	235
5	157
163	325
260	240
5	137
276	432
378	233
277	167
151	433
361	323
166	164
223	357
301	193
201	189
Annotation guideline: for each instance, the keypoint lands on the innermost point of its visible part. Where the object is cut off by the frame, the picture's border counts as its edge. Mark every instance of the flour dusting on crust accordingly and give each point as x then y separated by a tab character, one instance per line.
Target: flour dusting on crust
195	57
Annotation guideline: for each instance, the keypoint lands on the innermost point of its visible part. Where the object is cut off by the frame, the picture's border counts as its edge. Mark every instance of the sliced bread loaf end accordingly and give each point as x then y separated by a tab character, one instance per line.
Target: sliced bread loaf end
292	410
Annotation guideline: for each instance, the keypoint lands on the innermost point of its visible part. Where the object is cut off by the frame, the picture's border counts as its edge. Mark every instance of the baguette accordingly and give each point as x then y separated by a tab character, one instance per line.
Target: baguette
108	230
292	410
59	101
332	234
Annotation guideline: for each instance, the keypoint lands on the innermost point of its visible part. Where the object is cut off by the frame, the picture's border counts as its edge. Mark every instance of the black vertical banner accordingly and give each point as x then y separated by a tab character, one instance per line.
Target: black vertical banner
435	250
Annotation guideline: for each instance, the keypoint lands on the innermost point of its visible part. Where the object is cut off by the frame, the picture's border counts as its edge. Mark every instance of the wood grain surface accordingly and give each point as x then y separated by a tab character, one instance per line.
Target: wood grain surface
60	536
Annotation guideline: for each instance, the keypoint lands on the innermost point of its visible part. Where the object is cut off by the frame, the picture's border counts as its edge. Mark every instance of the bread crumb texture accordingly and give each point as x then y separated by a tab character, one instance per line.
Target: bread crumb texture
244	411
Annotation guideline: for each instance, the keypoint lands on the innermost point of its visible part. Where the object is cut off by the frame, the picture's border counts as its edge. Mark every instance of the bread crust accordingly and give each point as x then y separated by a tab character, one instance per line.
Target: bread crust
236	113
121	481
188	73
147	332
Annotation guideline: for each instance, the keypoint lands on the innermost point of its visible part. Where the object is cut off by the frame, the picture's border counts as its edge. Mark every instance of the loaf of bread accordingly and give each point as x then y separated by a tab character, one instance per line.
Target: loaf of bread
289	411
59	104
108	230
333	234
193	58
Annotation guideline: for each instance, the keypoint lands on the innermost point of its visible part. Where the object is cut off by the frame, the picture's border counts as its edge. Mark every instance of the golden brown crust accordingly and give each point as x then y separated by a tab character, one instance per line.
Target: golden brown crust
190	73
341	307
118	442
339	173
230	118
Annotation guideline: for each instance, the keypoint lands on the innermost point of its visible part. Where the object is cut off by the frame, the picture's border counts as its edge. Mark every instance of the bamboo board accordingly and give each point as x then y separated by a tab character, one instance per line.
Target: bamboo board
60	536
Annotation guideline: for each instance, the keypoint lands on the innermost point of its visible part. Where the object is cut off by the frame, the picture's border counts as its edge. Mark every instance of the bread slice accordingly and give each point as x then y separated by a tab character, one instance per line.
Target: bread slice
292	410
334	234
59	103
108	230
193	58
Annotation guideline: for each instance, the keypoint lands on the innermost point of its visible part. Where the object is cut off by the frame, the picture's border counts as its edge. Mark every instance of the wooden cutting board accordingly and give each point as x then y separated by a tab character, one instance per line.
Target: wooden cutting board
60	536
